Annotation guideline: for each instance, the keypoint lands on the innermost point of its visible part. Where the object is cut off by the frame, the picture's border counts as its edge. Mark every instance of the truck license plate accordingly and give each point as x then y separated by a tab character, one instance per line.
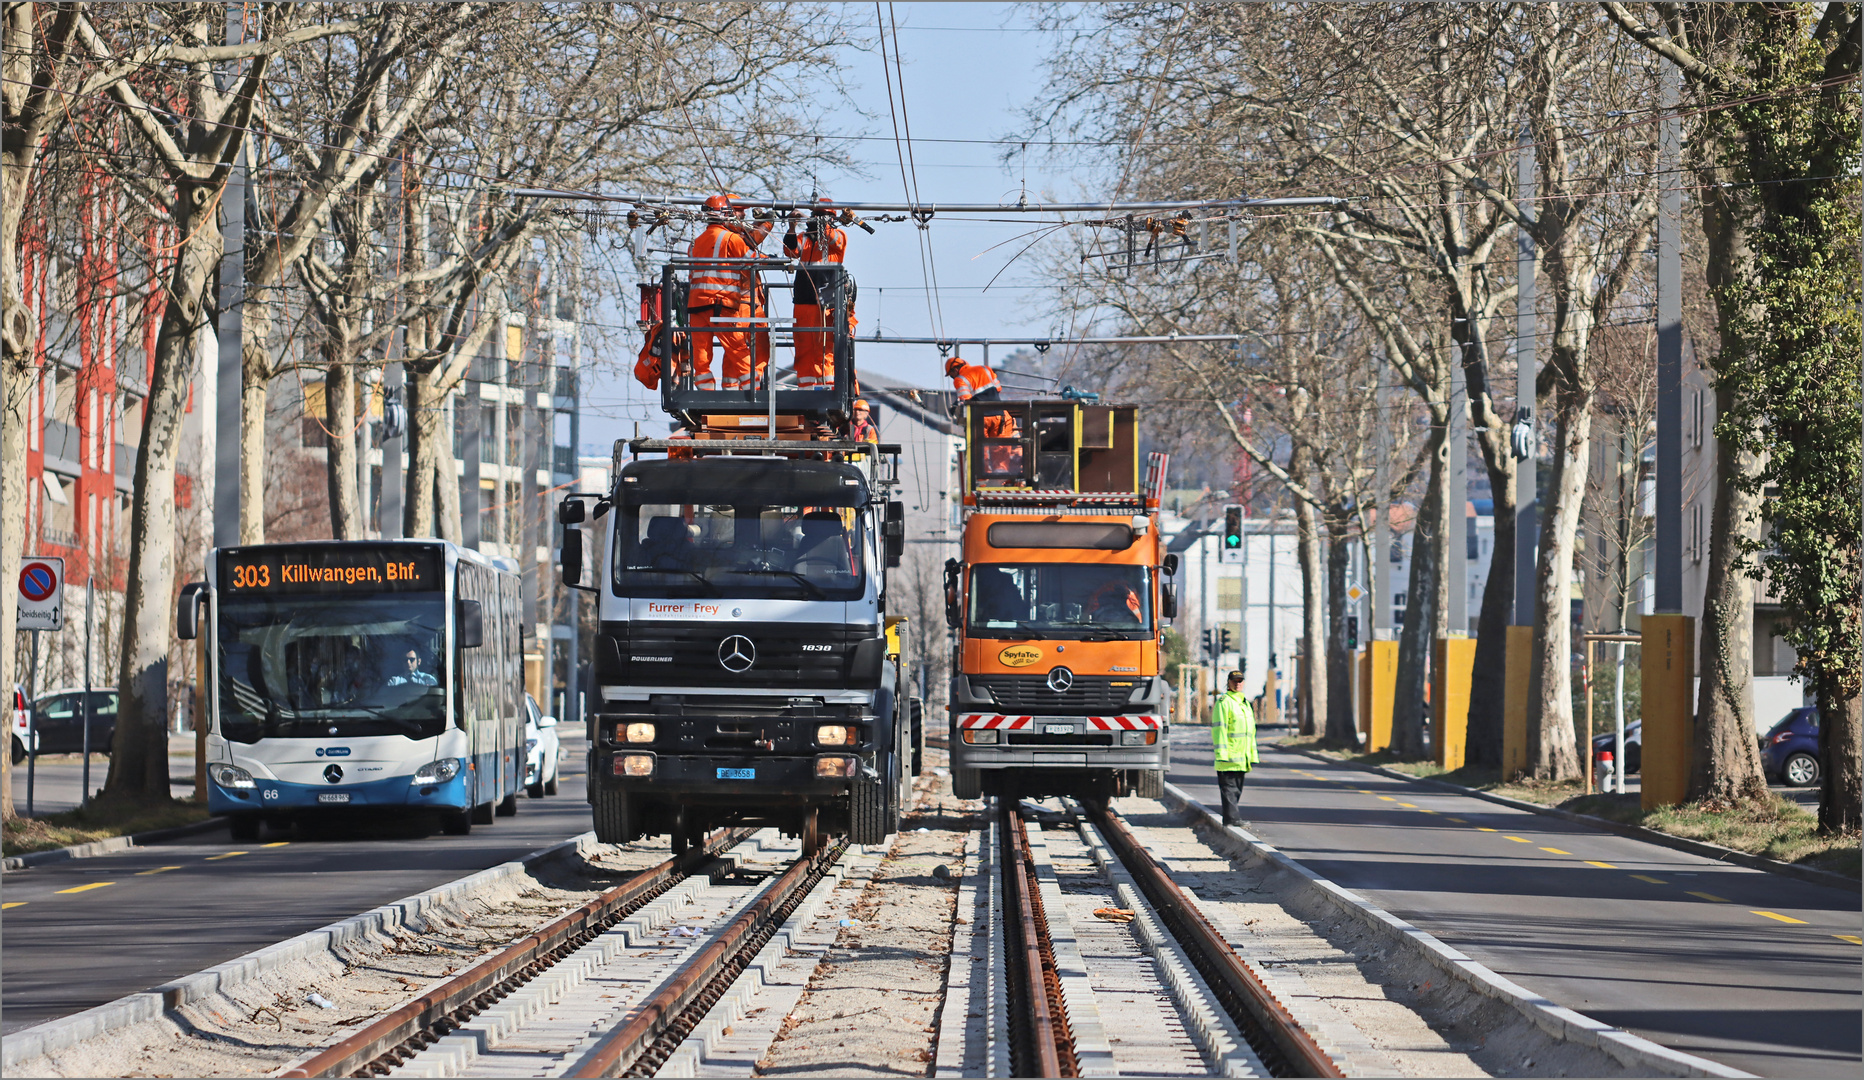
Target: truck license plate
737	774
1058	729
334	797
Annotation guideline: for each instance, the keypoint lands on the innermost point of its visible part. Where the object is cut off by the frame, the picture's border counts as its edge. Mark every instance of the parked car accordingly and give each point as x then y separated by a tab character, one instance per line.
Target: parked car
22	713
543	754
59	720
1634	746
1790	750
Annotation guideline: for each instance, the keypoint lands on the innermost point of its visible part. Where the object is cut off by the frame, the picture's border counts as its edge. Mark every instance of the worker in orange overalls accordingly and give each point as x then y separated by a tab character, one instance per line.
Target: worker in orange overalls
723	293
821	245
973	380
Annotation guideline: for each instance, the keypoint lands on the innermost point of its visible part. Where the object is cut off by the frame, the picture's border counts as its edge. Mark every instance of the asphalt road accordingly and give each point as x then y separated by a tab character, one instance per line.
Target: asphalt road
1755	970
83	932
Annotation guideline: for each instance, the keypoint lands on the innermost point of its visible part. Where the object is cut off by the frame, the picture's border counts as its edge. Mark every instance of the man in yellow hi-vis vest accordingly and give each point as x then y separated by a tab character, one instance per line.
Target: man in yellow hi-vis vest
1233	733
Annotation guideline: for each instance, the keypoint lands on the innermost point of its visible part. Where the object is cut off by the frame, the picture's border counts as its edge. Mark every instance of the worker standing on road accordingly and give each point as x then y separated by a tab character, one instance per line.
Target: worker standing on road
723	294
1233	733
973	381
821	245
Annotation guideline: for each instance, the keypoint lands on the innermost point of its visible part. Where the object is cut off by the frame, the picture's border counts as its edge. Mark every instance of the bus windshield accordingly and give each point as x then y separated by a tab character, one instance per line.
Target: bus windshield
306	667
1084	601
749	550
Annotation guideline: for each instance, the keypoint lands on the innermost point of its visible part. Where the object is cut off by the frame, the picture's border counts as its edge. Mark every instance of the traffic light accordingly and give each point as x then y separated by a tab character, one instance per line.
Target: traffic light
1227	647
1207	643
1231	550
1352	632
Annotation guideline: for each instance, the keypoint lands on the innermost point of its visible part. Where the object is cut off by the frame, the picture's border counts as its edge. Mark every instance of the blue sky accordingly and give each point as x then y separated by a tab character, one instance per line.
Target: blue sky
969	70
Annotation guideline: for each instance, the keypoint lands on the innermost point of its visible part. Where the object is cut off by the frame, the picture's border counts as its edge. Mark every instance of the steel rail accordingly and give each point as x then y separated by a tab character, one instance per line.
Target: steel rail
929	209
1249	1001
495	975
1035	985
695	983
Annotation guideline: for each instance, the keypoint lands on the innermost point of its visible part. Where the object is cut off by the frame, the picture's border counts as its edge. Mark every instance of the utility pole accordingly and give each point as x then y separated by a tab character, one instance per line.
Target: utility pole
1669	509
1527	515
1456	612
392	467
1378	572
235	204
468	418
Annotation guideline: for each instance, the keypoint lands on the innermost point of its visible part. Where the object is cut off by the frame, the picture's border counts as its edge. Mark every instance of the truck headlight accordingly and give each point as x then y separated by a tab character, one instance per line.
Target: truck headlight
634	765
232	776
1138	738
980	737
834	735
637	733
834	767
437	772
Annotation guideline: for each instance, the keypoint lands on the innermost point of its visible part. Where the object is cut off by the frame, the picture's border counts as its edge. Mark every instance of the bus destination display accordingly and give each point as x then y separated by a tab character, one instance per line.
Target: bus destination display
332	569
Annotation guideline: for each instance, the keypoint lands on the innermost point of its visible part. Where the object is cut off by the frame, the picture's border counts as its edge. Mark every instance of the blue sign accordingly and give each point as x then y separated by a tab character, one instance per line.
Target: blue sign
333	751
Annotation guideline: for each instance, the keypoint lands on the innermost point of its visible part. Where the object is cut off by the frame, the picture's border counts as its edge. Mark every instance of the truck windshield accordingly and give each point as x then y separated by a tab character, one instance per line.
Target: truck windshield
1060	600
757	551
306	667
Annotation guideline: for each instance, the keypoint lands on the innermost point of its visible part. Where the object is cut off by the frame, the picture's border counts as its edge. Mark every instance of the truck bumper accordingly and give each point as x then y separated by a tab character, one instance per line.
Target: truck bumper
1059	742
720	780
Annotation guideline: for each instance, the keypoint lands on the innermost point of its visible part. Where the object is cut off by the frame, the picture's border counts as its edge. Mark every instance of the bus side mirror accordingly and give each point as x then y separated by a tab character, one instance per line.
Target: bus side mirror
188	612
896	532
1168	601
570	558
1170	566
471	620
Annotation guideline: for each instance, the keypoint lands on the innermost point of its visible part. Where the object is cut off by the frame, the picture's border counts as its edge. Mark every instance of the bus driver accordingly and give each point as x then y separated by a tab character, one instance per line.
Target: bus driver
414	675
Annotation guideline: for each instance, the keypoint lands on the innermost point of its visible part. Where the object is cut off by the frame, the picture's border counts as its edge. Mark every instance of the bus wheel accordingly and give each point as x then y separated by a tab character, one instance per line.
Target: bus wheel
456	822
508	806
244	828
482	813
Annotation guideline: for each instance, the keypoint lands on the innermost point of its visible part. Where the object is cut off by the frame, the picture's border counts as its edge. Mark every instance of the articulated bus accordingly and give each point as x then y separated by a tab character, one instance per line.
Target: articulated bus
380	677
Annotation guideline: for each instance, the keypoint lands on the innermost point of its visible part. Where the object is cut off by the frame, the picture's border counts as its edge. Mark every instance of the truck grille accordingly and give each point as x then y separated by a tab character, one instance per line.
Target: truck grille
1090	694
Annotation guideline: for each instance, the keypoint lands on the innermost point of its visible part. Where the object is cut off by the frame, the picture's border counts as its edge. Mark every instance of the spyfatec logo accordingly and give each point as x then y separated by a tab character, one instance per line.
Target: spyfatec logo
1019	656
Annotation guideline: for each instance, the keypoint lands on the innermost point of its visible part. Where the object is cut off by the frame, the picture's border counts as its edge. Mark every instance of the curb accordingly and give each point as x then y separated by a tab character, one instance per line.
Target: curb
114	843
1703	848
1633	1051
54	1035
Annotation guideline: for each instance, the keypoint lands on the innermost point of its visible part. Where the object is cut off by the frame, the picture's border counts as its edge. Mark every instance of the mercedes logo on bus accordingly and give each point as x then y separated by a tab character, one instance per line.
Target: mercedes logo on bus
1060	680
736	654
333	773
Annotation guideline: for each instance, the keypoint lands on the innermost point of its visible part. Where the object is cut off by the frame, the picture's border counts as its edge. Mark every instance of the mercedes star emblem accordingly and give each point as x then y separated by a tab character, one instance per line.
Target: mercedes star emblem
333	773
1060	679
736	654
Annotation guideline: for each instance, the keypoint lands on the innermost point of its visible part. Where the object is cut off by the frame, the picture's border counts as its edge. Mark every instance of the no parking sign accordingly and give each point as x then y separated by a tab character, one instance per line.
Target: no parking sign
42	594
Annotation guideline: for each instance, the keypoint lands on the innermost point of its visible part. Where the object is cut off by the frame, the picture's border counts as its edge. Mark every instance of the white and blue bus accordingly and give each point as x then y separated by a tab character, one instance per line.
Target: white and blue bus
378	676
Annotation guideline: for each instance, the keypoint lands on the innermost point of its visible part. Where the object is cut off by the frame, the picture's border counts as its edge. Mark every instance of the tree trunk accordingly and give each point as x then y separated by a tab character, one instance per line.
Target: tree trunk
1551	750
1312	676
19	374
1842	787
424	429
340	460
1342	726
139	758
255	382
1424	599
447	479
1488	683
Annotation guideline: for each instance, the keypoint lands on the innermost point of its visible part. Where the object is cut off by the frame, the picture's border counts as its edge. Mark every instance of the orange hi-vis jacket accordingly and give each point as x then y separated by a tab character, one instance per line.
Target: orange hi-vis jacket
974	379
729	285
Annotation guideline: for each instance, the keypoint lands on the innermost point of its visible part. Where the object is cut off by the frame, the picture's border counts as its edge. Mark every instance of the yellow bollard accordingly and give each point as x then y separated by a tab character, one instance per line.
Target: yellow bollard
1453	661
1669	669
1514	703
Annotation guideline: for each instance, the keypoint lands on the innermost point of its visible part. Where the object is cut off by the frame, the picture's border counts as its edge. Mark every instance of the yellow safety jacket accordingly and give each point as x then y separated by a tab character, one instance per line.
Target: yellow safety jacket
1233	733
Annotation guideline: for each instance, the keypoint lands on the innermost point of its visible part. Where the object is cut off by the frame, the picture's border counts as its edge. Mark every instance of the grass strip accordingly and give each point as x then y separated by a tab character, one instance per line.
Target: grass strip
100	820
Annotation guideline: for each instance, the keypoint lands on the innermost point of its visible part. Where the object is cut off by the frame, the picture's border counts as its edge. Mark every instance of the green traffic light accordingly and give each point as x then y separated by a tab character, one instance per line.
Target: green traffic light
1232	541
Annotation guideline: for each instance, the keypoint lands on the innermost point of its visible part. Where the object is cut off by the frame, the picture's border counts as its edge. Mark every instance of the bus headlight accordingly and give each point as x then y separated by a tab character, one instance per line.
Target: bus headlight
980	737
437	772
1138	738
232	776
634	765
638	733
834	735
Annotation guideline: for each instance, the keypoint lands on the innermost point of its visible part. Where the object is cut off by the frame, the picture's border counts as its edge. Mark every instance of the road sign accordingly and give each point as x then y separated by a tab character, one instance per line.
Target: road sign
1354	593
42	594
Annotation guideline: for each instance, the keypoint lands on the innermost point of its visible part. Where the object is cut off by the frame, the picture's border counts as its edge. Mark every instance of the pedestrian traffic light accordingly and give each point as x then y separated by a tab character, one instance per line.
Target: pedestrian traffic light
1232	545
1226	641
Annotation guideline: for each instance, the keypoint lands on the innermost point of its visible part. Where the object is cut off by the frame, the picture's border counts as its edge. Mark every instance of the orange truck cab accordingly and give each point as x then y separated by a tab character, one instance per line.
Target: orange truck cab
1059	602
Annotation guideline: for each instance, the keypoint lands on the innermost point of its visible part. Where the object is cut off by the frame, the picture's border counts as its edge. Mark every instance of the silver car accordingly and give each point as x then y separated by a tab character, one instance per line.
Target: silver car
543	754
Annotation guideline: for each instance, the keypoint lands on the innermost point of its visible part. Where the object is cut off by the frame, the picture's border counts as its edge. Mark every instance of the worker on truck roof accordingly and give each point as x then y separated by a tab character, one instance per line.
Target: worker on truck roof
723	293
821	245
973	381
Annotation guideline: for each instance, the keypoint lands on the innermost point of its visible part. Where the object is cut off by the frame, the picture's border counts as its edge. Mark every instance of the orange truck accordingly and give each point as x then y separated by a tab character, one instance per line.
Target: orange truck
1059	602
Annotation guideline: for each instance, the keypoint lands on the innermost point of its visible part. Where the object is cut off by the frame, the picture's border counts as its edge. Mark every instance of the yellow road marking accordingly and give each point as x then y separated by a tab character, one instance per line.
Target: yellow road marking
21	903
276	843
87	888
1484	828
1852	938
157	870
1388	798
226	855
1458	820
1600	865
1652	880
1711	897
1520	840
1782	918
1556	851
1407	805
1421	810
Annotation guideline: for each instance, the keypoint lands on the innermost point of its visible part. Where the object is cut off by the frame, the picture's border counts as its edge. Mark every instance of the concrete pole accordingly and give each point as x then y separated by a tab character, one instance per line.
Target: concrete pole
1378	560
1669	509
227	379
1527	516
393	469
1456	611
467	416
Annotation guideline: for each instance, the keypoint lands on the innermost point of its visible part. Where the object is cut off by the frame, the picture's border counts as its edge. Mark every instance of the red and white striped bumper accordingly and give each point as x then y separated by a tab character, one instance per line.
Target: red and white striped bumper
1093	723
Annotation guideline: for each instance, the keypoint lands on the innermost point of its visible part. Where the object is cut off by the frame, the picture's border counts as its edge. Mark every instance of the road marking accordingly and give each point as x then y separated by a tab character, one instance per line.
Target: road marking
157	870
1408	806
1556	851
1388	798
1484	828
226	855
87	888
1652	880
276	843
1782	918
10	904
1600	865
1458	820
1852	938
1519	839
1421	810
1711	897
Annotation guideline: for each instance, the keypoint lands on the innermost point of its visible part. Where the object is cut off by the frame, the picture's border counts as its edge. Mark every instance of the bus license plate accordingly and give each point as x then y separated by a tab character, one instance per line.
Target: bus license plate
737	774
334	797
1058	729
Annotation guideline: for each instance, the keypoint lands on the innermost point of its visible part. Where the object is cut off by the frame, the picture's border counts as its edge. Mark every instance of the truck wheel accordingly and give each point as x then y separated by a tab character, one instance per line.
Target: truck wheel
869	802
1149	783
613	823
456	822
966	783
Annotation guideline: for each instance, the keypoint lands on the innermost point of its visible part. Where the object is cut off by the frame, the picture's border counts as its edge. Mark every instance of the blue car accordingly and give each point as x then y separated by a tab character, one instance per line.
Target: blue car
1790	750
